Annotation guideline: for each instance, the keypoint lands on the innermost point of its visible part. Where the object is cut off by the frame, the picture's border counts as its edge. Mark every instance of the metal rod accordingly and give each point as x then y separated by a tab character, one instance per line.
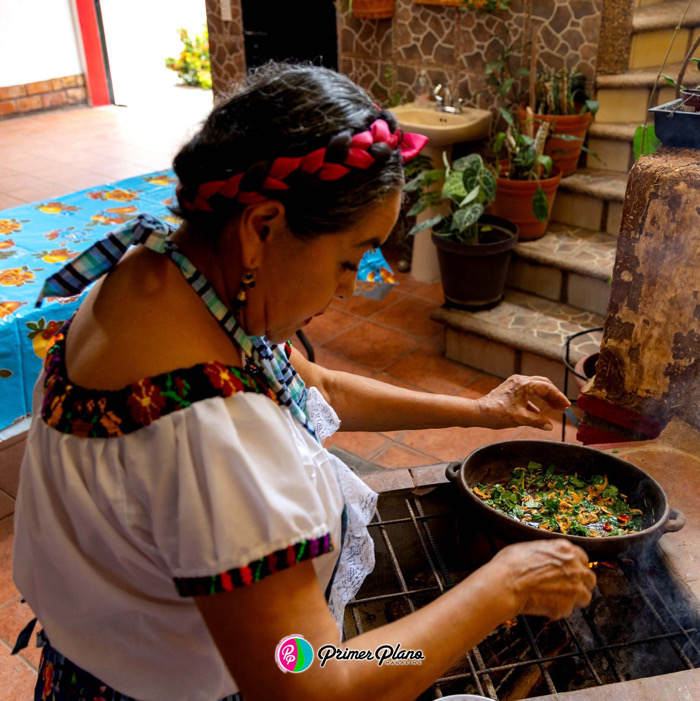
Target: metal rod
395	562
438	555
395	595
601	644
583	652
660	619
426	552
545	672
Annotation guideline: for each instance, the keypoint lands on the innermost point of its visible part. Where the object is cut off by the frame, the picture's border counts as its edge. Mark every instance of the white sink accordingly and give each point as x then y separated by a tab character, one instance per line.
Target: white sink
444	128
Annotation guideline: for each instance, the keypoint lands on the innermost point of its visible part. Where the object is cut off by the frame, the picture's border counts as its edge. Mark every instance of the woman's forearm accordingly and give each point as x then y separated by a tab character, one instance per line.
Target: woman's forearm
443	630
365	404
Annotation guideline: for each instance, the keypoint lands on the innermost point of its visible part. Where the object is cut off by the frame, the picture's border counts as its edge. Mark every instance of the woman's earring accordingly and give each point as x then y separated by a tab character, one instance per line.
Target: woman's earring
247	282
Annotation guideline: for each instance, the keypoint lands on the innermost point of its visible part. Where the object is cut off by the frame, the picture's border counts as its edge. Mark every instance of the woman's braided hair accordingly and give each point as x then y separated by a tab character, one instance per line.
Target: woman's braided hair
289	134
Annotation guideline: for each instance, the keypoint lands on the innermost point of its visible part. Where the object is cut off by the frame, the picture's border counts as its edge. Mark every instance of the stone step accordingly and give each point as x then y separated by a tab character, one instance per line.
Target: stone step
591	199
612	143
523	334
649	49
570	265
665	15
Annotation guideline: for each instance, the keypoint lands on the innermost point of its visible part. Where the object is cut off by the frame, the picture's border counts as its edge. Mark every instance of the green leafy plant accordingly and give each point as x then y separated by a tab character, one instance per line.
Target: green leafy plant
524	158
469	185
193	66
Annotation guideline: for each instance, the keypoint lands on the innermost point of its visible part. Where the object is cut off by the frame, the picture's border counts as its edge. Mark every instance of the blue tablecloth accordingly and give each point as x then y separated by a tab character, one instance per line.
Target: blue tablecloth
37	239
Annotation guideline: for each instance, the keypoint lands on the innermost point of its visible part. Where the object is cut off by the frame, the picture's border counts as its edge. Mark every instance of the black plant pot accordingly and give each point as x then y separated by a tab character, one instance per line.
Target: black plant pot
474	275
675	127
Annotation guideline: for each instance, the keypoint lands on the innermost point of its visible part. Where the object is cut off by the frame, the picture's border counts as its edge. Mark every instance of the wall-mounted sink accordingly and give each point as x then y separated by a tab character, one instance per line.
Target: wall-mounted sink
444	128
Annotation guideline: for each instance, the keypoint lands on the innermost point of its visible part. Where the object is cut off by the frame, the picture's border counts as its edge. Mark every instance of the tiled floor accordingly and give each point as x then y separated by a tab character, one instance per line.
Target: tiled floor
394	340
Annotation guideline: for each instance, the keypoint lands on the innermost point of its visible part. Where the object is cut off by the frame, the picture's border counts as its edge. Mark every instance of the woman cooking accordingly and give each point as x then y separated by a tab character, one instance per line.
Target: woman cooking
177	514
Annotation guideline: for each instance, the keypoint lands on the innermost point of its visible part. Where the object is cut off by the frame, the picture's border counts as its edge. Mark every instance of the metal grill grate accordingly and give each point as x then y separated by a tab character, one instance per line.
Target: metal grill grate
639	623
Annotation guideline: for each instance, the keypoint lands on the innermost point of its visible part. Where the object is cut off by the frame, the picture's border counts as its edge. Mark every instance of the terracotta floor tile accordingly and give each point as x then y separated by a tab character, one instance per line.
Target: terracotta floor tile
8	591
9	201
17	678
13	617
10	461
407	283
360	443
455	443
396	436
333	361
372	345
432	292
401	456
7	505
427	367
364	306
411	315
480	386
332	323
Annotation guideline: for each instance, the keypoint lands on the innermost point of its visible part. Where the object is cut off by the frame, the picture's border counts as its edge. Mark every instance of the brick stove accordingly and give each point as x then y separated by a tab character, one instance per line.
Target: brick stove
641	632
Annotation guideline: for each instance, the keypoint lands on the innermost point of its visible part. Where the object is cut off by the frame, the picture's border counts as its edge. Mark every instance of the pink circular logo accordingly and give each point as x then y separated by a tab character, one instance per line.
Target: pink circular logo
294	654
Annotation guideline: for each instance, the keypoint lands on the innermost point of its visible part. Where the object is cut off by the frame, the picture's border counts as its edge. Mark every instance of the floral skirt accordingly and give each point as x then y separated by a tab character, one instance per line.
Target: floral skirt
62	680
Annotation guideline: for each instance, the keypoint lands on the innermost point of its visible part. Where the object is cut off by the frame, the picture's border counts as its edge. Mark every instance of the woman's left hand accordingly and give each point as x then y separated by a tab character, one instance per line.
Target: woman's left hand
512	403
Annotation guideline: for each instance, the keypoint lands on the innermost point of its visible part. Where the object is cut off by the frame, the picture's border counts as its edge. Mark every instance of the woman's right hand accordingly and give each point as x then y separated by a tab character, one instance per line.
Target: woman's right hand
546	578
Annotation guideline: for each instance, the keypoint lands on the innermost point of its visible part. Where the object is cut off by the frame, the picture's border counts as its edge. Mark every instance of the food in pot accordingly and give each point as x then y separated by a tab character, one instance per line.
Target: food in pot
562	503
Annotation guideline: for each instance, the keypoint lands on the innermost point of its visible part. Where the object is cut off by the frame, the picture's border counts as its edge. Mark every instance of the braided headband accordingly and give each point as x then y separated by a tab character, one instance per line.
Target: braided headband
313	163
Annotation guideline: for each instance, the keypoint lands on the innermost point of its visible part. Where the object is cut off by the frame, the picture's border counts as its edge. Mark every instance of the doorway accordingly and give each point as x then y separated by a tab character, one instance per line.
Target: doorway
139	36
282	30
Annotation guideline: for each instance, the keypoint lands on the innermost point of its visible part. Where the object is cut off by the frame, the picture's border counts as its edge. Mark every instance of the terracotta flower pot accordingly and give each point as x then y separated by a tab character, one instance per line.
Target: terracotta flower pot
514	202
373	9
474	275
564	153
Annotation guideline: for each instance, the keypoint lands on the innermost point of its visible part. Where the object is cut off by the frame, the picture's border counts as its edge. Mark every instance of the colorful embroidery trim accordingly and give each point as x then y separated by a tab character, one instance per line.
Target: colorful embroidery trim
88	413
255	571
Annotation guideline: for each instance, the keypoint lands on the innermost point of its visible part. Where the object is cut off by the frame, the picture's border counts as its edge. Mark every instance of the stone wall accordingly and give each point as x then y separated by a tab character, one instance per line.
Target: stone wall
649	362
386	56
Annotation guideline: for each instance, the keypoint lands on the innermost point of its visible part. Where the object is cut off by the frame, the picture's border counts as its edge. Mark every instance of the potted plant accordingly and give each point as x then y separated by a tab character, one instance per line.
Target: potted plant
372	9
560	98
677	123
527	180
474	248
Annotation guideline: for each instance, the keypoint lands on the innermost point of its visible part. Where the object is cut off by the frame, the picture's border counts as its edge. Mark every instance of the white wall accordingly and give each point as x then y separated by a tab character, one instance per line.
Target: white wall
140	34
37	41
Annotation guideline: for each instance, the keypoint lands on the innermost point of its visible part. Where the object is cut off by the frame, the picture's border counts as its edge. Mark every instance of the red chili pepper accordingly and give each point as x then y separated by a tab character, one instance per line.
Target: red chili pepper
607	527
623	518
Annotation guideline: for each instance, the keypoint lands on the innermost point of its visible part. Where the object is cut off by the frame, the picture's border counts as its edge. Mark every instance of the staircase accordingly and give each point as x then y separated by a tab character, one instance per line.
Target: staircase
559	284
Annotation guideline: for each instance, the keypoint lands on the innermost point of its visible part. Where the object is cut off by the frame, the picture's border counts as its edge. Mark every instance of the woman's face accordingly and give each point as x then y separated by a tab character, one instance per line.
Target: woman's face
297	280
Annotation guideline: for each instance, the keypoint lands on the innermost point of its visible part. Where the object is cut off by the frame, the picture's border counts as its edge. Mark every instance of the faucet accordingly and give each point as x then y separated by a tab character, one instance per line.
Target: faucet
445	100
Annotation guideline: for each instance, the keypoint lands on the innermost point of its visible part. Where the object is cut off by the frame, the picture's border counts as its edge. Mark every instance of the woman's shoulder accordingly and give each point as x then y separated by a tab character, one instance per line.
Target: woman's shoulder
142	320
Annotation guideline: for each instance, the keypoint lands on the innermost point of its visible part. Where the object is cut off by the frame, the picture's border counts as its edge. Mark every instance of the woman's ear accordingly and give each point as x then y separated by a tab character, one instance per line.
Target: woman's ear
259	224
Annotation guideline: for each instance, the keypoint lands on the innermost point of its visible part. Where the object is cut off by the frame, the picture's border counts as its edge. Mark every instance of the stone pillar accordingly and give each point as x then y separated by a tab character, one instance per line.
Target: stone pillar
649	366
226	45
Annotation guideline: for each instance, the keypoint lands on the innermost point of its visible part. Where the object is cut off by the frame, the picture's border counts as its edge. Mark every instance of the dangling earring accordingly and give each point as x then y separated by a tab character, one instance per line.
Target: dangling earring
247	281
